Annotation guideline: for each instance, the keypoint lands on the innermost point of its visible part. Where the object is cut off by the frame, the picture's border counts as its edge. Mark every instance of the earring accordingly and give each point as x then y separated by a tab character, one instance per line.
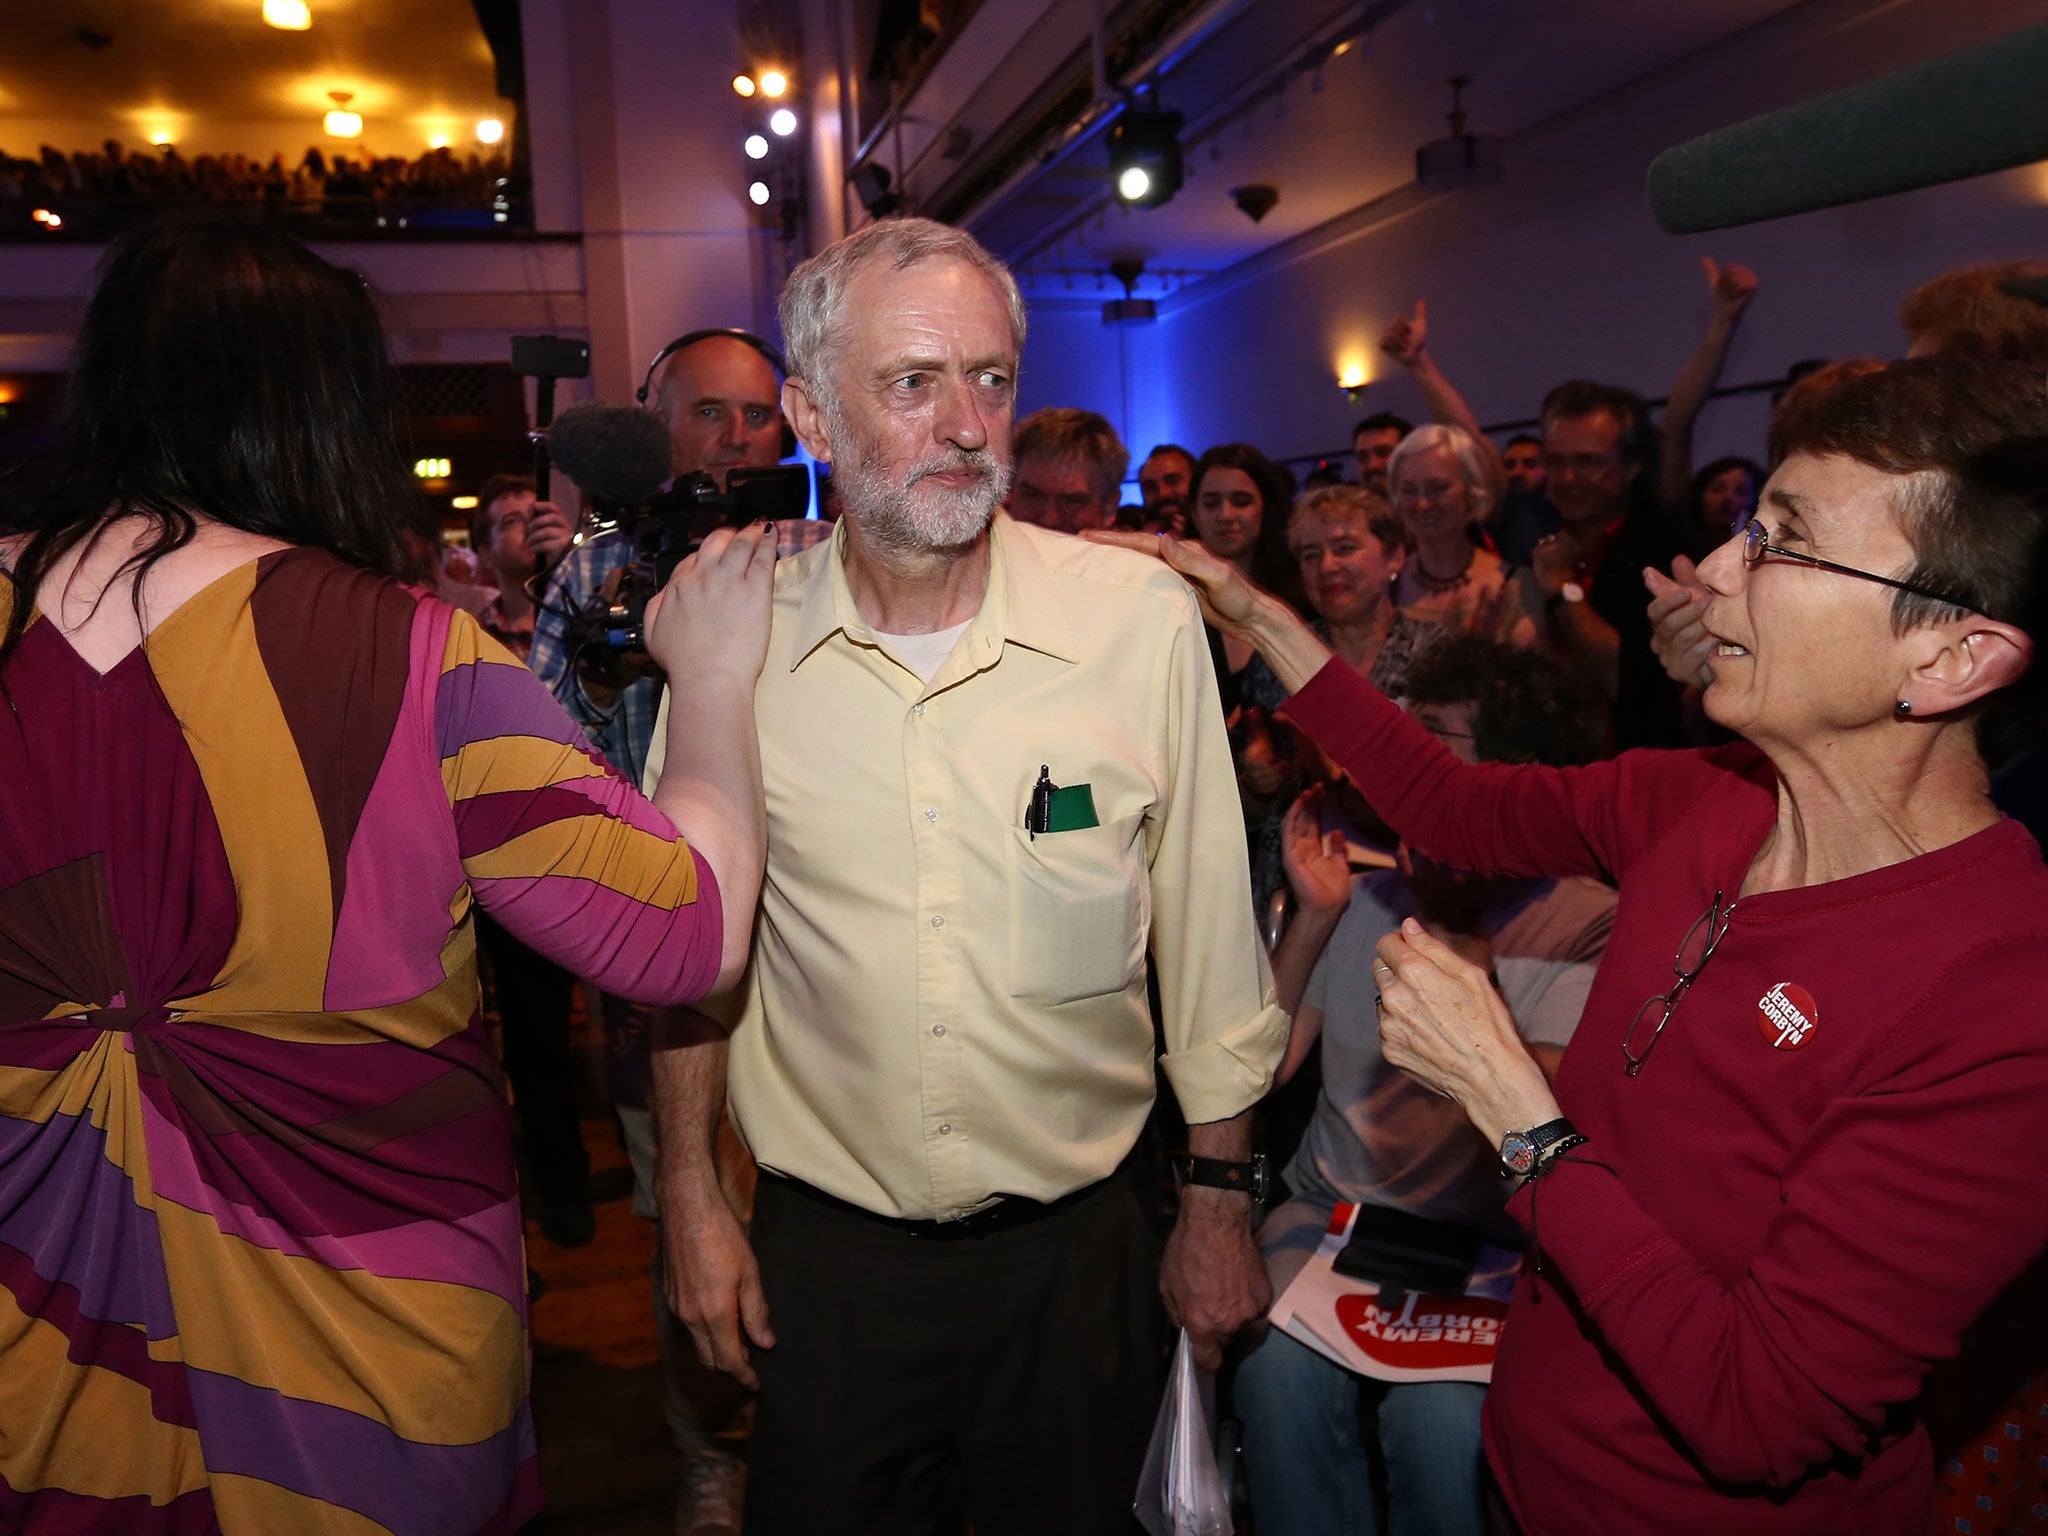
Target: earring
1903	708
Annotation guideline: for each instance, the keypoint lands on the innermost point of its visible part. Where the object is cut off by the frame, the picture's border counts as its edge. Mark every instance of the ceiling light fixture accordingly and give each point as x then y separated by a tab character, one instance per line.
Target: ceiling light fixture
783	122
743	85
342	123
774	84
288	15
1462	160
489	130
1145	156
1130	309
758	193
756	147
871	182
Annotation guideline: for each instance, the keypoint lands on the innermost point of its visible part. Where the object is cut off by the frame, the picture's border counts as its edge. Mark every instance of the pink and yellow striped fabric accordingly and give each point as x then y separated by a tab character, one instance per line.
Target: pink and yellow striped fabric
260	1249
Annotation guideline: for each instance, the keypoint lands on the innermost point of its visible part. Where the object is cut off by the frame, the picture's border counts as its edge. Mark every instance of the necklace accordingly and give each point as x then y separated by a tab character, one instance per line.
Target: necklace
1437	585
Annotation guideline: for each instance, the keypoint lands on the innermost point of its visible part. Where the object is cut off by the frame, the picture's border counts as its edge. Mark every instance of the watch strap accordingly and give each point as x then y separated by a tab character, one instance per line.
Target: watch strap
1533	1143
1248	1178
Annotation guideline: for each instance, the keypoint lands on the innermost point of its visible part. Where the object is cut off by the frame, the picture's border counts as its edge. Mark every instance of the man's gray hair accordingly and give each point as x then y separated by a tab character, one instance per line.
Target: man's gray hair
813	300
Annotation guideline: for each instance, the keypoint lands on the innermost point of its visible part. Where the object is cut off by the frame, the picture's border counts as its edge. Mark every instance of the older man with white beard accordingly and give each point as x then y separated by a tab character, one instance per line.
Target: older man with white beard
995	765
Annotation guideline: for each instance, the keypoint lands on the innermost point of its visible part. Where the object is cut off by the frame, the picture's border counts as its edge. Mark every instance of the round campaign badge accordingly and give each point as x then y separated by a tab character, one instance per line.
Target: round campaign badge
1787	1015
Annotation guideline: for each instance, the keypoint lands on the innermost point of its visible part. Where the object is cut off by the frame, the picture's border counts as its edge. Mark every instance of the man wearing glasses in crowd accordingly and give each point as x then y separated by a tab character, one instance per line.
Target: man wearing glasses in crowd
1584	583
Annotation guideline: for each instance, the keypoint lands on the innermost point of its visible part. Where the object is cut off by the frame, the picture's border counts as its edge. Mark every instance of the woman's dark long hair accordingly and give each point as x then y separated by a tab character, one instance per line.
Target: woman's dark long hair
1272	564
225	370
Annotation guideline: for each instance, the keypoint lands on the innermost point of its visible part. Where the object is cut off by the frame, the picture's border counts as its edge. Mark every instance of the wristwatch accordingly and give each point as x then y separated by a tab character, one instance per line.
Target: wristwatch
1570	592
1215	1173
1520	1150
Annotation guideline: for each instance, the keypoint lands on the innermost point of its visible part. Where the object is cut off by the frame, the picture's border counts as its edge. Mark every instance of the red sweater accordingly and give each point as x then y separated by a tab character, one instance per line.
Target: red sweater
1752	1264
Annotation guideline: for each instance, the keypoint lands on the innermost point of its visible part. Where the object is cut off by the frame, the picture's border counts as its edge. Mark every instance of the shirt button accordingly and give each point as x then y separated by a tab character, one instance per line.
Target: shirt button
917	709
931	813
945	1130
938	922
938	1029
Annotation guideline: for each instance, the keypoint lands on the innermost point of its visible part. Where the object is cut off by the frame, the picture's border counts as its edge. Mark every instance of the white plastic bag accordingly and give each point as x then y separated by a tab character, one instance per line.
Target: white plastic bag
1181	1492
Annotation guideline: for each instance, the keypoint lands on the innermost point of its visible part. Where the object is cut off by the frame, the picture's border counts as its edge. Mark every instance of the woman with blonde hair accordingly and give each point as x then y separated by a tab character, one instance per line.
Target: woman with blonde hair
1441	483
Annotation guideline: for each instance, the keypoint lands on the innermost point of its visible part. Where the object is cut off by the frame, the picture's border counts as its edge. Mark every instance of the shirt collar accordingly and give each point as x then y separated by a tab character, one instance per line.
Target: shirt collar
1022	606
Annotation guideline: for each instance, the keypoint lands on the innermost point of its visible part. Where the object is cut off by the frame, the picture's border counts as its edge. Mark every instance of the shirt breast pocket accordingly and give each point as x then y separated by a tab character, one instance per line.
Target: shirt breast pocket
1078	912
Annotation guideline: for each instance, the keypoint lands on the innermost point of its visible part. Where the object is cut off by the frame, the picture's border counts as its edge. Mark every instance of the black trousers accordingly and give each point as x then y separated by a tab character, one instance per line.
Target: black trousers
533	1006
917	1387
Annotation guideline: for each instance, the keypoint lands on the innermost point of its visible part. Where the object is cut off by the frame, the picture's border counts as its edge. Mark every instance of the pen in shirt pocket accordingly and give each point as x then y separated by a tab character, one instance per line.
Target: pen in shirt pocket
1057	808
1038	815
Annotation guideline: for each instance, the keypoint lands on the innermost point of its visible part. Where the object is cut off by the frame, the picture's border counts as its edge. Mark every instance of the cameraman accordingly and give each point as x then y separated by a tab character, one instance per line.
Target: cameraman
720	396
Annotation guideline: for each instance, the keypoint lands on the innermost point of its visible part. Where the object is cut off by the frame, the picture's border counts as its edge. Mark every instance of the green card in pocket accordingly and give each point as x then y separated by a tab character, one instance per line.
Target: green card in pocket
1070	809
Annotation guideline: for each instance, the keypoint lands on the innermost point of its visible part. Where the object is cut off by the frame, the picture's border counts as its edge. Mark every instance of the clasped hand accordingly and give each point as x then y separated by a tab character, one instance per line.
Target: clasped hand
1445	1025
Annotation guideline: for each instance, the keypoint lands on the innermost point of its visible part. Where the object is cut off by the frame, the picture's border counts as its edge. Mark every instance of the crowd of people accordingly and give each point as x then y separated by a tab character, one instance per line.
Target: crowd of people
96	192
908	856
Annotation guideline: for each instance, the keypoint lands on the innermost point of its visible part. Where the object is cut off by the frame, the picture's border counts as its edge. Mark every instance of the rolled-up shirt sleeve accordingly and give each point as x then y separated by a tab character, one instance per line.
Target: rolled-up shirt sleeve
1224	1029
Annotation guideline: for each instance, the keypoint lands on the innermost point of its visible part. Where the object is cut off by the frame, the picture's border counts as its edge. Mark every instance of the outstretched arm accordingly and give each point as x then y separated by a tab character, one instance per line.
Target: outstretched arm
709	630
1731	287
1407	342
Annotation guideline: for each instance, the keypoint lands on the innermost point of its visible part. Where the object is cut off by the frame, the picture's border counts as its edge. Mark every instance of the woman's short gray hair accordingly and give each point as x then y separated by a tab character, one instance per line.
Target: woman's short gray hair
815	294
1465	452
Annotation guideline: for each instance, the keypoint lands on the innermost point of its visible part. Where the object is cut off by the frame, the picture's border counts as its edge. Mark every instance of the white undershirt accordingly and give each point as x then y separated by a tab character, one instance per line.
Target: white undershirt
925	654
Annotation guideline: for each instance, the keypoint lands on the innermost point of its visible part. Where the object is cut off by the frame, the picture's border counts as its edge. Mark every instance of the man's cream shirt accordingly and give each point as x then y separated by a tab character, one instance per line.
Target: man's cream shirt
941	1008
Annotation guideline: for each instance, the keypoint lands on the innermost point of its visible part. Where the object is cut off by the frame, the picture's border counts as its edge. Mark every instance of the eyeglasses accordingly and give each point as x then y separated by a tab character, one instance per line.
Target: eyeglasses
1756	544
1584	465
1694	951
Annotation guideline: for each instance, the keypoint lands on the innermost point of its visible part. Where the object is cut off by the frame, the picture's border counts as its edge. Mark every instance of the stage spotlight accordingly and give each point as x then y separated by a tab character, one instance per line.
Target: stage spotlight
773	83
758	193
743	84
489	130
783	122
756	147
1145	157
288	15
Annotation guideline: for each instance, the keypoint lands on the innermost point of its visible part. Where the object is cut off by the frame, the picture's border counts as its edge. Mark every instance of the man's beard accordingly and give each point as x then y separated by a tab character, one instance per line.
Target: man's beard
916	516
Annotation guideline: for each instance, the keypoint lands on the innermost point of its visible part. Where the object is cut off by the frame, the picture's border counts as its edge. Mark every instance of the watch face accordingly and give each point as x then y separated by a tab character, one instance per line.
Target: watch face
1517	1152
1572	592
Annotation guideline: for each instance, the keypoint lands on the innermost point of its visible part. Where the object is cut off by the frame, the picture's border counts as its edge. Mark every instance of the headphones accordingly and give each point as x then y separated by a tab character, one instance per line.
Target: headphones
646	389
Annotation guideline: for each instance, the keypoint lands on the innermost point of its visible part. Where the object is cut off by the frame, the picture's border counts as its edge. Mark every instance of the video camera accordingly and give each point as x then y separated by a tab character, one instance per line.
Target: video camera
621	459
668	527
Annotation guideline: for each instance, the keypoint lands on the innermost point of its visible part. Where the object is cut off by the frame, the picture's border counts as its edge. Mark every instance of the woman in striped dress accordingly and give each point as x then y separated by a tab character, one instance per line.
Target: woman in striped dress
260	1249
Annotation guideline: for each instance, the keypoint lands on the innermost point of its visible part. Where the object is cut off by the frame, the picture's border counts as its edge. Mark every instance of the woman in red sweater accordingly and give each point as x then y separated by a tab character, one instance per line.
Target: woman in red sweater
1810	1158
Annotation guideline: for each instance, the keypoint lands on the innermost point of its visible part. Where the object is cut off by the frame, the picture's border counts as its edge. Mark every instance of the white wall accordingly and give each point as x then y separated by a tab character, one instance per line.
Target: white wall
670	242
1559	271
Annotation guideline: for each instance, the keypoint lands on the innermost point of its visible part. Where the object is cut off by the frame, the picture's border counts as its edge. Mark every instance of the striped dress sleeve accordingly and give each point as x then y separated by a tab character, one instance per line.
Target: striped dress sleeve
572	859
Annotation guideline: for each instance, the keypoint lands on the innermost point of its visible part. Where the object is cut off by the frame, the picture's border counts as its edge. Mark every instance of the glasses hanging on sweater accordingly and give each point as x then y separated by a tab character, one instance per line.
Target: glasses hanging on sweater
1694	951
